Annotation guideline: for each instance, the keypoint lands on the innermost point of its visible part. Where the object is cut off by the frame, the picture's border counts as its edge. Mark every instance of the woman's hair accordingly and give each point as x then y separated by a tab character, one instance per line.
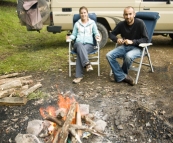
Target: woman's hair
83	7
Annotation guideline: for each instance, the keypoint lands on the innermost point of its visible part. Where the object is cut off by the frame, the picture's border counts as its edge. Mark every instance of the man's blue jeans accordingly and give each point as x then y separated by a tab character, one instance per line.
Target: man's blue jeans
128	53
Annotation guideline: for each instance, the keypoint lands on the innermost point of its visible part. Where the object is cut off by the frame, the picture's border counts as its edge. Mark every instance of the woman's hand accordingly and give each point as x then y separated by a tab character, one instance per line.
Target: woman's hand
68	38
97	38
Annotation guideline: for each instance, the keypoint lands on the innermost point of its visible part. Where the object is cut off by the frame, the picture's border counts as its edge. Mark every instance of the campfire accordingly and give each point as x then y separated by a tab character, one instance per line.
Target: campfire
69	122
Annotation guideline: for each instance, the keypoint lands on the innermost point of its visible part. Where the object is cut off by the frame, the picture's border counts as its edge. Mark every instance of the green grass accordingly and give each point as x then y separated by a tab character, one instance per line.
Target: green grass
22	50
37	95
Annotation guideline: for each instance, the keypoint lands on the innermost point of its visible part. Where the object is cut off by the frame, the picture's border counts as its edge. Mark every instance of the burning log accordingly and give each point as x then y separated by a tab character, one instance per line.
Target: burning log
56	136
53	119
78	120
68	121
61	113
74	133
63	135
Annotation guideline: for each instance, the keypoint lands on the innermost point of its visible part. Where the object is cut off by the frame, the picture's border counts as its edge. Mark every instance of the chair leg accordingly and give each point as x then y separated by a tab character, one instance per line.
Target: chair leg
69	59
98	69
69	70
149	59
98	55
139	68
110	74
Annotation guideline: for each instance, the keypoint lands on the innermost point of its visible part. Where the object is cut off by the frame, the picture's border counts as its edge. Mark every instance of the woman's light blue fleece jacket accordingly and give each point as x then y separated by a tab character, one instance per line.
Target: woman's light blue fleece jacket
83	33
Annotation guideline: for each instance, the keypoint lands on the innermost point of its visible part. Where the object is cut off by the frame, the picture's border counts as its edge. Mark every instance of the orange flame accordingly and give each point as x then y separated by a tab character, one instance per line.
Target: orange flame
65	102
49	110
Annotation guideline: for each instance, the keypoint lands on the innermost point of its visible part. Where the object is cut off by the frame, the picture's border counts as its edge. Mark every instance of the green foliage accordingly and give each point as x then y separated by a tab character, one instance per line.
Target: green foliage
37	95
22	50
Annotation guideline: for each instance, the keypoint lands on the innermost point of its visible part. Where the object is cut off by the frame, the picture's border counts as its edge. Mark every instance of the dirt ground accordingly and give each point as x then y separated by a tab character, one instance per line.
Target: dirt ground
142	113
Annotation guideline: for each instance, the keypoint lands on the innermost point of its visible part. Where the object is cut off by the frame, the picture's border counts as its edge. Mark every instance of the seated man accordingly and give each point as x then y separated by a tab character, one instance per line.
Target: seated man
133	32
83	32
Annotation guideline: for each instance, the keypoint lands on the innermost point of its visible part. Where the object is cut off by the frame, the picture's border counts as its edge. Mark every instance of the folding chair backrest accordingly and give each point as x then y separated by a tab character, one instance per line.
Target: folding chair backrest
92	16
150	20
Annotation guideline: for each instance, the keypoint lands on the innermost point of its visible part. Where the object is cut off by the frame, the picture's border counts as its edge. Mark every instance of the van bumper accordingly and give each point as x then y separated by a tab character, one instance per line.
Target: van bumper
54	29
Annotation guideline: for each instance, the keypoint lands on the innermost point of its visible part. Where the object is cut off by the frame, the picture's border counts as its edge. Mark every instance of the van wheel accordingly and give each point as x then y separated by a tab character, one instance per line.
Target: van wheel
171	35
42	5
103	34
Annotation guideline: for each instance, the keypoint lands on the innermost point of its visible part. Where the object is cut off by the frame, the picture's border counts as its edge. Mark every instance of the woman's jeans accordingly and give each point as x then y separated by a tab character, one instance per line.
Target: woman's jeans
128	53
82	51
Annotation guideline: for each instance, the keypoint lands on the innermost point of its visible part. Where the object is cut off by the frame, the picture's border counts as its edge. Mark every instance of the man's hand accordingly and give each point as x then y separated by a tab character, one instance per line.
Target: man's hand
128	42
121	41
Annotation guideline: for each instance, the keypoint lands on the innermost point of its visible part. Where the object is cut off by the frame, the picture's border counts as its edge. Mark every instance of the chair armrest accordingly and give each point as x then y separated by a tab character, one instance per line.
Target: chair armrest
145	44
68	40
98	40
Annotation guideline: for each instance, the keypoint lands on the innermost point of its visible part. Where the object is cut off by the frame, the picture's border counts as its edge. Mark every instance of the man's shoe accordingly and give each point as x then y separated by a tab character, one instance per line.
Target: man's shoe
89	68
129	80
77	80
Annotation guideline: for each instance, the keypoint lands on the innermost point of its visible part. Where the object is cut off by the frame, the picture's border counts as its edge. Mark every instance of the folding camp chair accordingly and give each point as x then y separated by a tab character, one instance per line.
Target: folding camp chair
150	20
94	57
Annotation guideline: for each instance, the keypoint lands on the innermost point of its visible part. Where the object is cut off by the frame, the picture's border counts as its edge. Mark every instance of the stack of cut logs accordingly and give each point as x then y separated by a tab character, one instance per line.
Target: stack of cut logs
71	123
14	89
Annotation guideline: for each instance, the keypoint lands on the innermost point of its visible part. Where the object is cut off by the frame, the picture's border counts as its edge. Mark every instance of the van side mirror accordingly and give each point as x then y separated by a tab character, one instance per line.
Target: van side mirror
168	2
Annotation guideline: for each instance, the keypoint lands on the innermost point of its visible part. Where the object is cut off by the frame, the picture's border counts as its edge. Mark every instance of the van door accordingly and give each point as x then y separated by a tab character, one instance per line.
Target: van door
165	9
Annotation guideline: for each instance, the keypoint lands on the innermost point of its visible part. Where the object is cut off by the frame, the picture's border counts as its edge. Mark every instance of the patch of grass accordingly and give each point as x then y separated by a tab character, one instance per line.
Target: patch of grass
37	95
22	50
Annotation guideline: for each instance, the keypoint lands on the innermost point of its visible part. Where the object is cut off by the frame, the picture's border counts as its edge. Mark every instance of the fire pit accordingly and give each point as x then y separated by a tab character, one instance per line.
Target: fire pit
128	118
68	122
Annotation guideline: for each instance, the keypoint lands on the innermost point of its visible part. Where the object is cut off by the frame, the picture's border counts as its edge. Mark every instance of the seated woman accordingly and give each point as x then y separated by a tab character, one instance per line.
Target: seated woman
83	31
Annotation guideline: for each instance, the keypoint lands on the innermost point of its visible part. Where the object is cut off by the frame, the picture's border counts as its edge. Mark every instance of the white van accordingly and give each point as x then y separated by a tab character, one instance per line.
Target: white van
58	14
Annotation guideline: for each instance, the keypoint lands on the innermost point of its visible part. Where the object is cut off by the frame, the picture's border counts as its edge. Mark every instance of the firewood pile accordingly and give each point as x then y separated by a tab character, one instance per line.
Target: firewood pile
14	89
69	123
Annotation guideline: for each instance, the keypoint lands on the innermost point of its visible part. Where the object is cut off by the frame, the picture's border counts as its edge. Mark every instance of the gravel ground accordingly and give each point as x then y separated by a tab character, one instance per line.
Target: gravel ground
140	113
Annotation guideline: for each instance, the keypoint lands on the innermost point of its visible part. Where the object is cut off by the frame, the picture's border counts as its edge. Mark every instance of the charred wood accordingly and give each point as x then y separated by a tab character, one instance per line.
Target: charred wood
63	135
95	132
53	119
